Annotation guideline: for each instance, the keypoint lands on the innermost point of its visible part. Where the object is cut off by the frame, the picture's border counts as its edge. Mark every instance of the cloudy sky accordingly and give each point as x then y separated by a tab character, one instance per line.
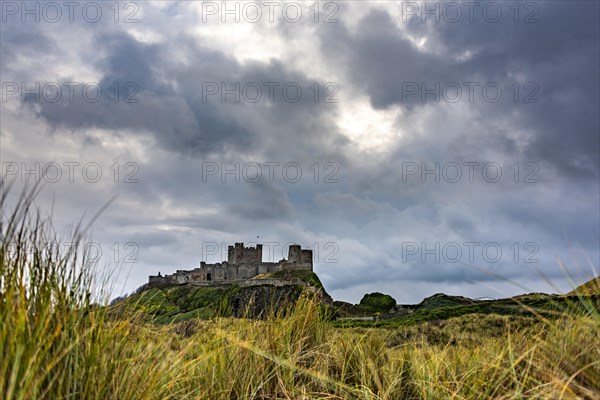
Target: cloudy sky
416	147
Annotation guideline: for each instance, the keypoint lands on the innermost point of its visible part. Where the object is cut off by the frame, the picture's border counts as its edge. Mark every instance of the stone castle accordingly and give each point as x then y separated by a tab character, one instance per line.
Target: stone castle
242	263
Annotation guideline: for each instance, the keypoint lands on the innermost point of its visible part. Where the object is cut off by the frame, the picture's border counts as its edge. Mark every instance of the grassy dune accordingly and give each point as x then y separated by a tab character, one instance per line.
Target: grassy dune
56	344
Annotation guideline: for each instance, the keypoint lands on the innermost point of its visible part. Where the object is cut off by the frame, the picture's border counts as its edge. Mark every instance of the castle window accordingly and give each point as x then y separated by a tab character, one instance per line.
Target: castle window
208	277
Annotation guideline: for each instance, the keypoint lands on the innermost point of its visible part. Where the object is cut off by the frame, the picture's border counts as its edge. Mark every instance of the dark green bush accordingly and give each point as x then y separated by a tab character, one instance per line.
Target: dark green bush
378	302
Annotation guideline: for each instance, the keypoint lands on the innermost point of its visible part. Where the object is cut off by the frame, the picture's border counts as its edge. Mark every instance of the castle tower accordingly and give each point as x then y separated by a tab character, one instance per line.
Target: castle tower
259	253
238	254
307	256
294	253
230	254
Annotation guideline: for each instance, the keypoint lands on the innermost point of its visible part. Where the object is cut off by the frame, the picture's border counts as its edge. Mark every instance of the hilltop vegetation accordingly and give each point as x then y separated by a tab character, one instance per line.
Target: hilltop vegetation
308	277
183	302
589	288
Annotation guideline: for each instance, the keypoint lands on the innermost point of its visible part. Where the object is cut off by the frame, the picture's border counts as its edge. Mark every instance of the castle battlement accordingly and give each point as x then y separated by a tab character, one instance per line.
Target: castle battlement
242	263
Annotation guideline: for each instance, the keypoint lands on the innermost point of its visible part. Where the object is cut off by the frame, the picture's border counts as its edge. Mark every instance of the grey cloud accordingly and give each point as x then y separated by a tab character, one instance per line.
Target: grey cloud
262	201
559	54
185	122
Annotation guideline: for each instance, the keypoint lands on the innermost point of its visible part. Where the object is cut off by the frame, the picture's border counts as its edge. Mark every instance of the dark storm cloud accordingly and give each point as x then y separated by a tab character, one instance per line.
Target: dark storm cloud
178	123
380	59
559	54
174	104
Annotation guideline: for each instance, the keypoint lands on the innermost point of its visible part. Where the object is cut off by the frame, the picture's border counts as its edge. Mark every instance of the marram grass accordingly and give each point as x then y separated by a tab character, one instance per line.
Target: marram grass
56	344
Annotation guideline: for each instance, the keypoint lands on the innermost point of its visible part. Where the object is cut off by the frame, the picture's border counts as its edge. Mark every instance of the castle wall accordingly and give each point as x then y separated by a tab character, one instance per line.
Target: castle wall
232	272
294	266
263	269
245	271
274	268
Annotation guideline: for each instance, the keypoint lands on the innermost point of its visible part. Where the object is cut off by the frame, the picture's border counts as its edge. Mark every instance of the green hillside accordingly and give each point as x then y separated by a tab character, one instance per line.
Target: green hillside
182	302
591	287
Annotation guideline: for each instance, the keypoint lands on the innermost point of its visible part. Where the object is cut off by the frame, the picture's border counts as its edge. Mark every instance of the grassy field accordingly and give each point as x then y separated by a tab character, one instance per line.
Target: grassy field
57	344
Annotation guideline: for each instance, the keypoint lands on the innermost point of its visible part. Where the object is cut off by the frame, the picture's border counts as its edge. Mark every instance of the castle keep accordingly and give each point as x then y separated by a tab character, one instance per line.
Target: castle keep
242	263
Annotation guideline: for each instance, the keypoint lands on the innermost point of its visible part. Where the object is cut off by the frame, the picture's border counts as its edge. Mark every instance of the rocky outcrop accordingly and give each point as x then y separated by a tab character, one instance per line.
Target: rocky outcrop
261	301
252	298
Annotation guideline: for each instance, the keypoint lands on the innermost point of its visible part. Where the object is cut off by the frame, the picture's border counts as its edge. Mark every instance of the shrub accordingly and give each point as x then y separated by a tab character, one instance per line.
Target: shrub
378	302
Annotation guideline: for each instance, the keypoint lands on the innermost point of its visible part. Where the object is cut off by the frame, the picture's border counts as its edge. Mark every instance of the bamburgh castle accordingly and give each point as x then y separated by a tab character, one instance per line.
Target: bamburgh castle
242	263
